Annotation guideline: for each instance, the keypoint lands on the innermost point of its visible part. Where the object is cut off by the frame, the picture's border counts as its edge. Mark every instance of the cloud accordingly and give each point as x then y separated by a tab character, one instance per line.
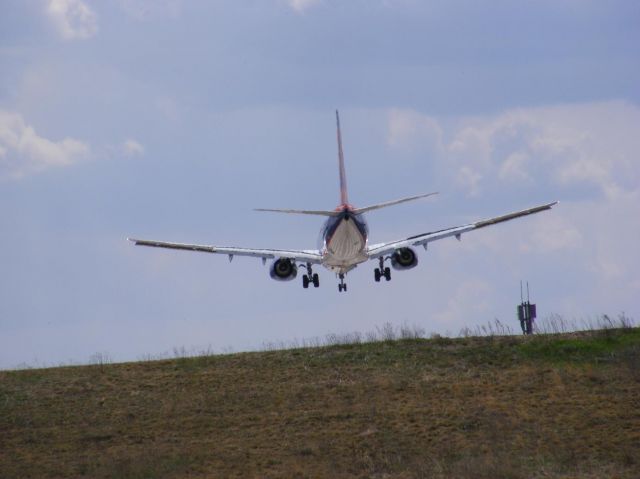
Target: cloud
554	232
409	129
514	168
132	148
588	145
24	152
73	19
301	6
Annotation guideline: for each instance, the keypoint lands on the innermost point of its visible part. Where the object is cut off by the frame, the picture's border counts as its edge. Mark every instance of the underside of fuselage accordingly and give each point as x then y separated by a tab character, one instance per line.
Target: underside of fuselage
344	241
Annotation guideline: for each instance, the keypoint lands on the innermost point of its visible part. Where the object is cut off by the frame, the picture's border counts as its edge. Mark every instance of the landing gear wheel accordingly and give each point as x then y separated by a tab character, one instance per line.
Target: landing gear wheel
342	286
381	271
310	277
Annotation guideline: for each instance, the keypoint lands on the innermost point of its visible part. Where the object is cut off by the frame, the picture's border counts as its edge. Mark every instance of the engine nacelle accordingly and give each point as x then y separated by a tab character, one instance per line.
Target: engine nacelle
404	258
283	269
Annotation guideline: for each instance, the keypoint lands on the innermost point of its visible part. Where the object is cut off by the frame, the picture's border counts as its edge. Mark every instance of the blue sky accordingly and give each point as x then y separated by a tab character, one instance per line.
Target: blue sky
172	119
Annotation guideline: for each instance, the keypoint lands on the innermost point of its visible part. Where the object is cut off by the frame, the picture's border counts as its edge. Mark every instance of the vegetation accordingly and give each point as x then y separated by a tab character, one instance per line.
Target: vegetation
549	405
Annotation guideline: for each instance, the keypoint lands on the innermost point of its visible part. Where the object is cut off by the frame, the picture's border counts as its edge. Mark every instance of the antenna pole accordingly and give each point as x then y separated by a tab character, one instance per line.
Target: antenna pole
521	299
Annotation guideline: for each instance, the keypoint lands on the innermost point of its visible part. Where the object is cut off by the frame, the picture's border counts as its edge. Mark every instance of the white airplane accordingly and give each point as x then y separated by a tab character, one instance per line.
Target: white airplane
344	240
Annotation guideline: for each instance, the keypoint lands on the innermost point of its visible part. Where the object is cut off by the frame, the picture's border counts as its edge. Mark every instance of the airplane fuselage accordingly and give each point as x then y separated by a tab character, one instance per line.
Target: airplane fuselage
344	240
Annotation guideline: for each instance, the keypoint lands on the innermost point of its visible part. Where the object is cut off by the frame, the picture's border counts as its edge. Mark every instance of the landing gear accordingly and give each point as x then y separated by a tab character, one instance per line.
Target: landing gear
342	286
382	271
310	277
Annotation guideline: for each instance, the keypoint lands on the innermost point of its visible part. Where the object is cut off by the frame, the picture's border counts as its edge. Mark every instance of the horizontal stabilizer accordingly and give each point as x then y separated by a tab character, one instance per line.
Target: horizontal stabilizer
301	212
391	203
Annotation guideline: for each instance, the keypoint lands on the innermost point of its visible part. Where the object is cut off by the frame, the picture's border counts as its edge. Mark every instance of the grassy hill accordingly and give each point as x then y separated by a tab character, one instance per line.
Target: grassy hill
486	407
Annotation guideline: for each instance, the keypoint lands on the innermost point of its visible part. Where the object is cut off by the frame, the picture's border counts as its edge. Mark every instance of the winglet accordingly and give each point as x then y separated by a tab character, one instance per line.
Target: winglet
344	199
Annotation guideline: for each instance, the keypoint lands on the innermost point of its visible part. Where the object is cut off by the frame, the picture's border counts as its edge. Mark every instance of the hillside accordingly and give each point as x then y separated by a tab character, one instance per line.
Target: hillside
492	407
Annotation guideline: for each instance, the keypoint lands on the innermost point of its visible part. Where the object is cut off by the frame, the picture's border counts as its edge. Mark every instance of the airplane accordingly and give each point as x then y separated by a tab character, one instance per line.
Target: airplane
344	240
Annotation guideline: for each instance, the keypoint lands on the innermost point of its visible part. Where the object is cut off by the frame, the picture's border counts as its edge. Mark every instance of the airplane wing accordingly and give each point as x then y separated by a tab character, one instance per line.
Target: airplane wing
381	249
307	256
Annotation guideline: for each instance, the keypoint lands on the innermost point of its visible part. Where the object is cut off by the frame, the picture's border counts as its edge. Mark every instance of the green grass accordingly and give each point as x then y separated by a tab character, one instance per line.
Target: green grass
479	407
596	346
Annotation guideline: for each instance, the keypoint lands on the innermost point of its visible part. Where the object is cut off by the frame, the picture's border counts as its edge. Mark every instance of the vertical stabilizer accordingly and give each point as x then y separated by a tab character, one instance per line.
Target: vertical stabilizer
344	199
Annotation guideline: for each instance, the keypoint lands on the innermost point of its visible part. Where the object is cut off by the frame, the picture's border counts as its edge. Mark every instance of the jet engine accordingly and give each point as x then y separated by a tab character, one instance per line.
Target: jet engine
283	269
404	258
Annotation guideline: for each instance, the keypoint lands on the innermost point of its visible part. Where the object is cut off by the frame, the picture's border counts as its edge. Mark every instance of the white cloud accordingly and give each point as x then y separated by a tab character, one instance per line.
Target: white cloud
409	129
469	179
554	232
73	19
301	6
593	144
24	152
132	148
514	167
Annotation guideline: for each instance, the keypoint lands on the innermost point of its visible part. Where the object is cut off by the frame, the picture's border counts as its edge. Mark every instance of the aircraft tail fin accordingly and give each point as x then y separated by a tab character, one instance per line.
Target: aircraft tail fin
344	197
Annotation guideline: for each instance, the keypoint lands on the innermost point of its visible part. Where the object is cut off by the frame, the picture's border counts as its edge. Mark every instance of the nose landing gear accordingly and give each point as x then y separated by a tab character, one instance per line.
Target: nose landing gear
342	286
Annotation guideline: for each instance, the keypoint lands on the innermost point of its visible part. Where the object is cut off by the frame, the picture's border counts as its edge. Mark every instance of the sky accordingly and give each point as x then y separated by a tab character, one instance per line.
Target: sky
173	119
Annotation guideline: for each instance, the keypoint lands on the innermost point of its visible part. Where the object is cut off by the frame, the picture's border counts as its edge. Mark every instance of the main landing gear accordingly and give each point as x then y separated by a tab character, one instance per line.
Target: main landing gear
342	286
382	271
310	277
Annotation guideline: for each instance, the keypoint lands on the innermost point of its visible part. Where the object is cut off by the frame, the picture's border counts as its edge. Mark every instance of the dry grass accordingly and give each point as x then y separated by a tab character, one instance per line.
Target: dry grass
550	406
